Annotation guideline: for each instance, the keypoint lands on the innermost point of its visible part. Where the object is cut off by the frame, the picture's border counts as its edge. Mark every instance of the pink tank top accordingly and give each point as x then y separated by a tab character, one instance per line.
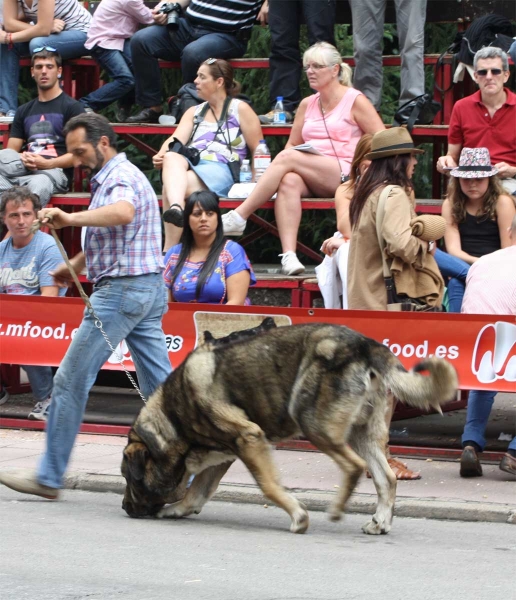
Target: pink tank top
344	132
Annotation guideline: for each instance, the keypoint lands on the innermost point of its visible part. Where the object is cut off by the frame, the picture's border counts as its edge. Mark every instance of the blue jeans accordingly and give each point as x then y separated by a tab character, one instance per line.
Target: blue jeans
40	379
457	270
118	66
191	44
477	415
130	308
69	44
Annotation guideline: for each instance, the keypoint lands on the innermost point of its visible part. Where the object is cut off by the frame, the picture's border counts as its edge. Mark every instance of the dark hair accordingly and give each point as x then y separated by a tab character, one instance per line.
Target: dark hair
47	54
18	195
362	148
207	201
95	126
218	67
391	170
458	200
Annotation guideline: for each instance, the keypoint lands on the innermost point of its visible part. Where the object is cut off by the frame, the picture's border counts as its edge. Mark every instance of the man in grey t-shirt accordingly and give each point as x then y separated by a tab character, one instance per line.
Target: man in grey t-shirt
26	261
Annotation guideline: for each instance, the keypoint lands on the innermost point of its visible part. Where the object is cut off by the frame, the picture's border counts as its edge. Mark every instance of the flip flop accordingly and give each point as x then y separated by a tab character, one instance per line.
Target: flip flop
174	215
402	472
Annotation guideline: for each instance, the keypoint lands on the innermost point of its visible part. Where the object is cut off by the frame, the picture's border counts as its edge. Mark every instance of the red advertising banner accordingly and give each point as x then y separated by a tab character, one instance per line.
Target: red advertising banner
37	331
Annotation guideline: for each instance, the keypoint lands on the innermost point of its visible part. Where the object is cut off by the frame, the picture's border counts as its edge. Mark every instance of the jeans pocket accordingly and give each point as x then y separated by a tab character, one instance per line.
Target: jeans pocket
136	301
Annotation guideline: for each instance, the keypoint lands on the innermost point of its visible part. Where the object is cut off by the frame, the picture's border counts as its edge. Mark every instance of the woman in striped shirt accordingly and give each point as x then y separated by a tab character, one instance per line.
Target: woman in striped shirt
30	24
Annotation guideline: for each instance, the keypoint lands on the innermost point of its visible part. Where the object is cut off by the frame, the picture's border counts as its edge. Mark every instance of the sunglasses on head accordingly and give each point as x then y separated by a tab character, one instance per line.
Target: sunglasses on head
213	61
47	48
484	72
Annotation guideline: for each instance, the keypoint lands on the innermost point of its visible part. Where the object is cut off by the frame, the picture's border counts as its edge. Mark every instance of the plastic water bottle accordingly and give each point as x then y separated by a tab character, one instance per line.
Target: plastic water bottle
246	175
280	118
261	159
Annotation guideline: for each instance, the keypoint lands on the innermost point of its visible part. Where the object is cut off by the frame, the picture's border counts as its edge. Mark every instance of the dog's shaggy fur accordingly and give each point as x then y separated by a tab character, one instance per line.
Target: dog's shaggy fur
227	401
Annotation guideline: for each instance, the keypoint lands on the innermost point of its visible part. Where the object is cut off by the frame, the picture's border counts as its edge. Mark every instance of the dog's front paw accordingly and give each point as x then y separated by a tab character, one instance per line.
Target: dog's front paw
334	514
176	511
372	527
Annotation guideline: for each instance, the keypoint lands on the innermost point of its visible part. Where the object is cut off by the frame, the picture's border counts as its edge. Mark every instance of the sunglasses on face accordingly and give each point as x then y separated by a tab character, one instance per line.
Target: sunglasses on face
314	67
47	48
484	72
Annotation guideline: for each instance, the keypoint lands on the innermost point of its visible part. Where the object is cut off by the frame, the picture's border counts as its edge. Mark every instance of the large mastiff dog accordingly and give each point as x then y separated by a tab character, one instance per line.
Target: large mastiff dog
227	401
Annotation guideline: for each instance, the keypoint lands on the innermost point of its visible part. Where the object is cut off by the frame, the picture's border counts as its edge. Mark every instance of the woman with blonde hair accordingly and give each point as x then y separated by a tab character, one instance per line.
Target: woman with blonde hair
219	132
328	125
332	272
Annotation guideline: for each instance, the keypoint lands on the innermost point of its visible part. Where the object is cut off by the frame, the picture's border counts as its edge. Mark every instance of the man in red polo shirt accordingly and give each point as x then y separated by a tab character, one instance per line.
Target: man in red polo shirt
486	119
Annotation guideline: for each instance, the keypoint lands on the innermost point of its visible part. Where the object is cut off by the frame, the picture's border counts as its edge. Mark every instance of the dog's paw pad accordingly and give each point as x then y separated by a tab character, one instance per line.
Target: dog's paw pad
300	524
374	528
334	515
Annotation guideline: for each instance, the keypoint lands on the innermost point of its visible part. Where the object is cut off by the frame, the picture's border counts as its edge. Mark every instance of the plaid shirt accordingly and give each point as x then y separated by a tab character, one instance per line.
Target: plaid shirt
124	250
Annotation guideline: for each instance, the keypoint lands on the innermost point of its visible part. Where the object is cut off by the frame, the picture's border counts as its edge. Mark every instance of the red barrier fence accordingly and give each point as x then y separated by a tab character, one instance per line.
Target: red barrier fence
36	330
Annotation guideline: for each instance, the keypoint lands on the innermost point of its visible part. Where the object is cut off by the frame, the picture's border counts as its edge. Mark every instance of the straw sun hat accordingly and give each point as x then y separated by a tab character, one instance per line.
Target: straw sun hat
392	142
474	163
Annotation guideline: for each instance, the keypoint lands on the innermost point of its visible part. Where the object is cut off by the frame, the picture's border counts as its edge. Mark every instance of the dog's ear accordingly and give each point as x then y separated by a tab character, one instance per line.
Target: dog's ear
268	323
208	337
156	431
136	455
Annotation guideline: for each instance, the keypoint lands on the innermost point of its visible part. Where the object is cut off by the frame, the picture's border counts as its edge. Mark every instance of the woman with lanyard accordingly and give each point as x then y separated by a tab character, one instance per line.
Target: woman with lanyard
209	138
318	153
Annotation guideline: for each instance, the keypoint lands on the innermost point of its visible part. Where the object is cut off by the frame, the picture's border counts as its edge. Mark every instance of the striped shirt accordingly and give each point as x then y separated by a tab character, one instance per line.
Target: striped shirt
71	12
124	250
224	15
491	284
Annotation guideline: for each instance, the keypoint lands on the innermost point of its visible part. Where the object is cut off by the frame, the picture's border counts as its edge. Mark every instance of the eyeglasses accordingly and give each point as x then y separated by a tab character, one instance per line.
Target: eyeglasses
484	72
47	48
315	67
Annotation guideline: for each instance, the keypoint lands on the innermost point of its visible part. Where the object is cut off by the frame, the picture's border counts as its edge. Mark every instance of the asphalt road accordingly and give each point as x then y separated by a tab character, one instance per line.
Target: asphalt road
84	547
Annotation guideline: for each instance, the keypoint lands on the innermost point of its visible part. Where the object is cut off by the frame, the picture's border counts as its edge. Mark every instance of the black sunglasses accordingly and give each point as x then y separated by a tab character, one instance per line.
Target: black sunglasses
484	72
213	61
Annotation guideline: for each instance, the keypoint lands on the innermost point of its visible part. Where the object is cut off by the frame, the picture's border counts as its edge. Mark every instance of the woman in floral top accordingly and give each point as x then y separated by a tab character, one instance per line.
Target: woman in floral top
205	267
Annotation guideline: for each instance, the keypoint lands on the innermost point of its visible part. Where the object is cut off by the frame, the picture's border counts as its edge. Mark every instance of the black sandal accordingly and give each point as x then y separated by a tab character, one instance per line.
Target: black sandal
174	215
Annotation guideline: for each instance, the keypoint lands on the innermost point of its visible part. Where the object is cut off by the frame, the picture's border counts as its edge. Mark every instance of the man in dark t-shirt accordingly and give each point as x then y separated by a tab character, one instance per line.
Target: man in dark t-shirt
36	154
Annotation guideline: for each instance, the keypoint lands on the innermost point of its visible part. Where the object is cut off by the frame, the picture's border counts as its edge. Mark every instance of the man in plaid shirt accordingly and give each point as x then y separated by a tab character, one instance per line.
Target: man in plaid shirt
122	254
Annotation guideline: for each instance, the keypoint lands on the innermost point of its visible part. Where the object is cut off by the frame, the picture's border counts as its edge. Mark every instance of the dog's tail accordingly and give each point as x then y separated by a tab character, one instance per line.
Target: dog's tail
424	391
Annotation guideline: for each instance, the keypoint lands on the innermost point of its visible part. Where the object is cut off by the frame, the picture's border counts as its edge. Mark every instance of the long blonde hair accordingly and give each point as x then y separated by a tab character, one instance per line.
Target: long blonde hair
458	200
327	55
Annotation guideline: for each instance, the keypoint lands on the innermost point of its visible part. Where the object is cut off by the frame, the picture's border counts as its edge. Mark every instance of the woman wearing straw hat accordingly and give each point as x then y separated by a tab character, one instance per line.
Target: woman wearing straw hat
393	159
478	216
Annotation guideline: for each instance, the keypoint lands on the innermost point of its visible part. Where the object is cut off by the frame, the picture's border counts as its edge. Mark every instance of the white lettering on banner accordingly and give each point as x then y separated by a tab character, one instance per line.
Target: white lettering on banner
422	350
494	355
174	344
35	331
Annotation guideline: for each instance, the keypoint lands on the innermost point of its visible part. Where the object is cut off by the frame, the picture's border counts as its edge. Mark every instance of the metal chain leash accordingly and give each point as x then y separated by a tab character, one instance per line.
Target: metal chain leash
96	321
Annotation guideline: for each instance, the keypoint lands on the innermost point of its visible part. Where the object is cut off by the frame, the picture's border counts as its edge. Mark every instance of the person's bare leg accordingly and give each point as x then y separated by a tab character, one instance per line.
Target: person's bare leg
400	469
287	208
321	170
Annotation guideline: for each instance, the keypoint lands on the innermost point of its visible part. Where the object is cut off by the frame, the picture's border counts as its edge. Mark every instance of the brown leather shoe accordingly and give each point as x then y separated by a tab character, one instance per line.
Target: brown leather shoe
508	464
25	482
147	115
469	464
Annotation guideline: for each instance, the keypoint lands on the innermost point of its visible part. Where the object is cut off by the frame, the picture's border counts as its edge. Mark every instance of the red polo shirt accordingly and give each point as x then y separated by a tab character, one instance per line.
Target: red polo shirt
472	127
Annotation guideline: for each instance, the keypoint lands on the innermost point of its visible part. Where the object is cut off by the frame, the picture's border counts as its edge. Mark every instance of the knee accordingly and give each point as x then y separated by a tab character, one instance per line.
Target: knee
290	186
139	41
287	158
174	160
194	54
43	188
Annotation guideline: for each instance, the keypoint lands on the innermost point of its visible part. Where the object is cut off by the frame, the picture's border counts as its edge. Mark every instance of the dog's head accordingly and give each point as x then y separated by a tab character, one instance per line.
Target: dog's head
153	465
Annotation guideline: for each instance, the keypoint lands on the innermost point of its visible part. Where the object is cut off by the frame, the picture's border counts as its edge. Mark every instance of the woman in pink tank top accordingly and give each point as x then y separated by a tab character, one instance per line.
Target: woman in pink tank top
328	124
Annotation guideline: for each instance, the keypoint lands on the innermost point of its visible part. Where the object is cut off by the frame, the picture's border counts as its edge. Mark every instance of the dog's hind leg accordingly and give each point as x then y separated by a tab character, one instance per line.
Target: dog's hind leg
200	491
254	451
384	482
352	466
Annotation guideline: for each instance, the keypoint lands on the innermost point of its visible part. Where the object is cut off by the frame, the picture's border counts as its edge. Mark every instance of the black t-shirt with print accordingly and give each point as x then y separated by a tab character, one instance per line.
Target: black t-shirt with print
40	124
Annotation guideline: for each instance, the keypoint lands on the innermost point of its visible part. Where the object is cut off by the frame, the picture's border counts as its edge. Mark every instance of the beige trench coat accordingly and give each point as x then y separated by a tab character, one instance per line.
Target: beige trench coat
366	288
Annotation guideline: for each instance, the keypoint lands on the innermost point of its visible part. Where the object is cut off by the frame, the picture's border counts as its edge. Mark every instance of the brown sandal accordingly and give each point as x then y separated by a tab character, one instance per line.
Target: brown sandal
401	471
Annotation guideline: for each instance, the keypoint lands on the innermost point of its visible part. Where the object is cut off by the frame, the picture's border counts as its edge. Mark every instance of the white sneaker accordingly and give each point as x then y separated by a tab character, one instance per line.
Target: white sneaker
290	264
41	410
7	118
233	224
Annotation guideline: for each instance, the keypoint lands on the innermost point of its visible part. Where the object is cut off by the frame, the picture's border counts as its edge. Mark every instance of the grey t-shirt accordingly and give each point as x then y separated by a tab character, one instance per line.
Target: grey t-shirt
26	270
